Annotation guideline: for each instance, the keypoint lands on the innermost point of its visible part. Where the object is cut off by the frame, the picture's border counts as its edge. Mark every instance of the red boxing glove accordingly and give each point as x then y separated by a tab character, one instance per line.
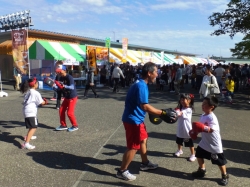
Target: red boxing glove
59	85
198	127
193	134
45	100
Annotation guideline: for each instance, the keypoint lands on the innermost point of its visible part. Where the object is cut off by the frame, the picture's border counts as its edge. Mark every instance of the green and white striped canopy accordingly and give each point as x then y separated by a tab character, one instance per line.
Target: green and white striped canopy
47	50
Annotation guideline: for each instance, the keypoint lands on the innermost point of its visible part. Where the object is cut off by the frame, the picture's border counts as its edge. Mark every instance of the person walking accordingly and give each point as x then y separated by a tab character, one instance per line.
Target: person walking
117	73
90	84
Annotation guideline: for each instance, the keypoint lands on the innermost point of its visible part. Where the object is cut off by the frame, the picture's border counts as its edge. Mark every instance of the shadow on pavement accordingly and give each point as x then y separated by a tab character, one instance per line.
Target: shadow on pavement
14	124
238	172
61	160
121	184
6	137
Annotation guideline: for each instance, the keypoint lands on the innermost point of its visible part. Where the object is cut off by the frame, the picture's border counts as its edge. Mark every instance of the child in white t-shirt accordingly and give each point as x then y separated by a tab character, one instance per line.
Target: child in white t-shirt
184	110
32	99
210	146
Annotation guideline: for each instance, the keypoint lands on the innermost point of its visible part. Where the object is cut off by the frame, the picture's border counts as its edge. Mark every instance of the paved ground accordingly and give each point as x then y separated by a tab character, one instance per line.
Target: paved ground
91	155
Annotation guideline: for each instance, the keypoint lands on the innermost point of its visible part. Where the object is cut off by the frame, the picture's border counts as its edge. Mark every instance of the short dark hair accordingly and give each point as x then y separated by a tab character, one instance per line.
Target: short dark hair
148	67
212	101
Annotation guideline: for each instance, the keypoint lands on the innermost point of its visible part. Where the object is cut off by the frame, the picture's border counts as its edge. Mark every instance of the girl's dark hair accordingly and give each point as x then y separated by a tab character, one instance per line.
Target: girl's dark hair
230	78
186	96
212	101
25	86
148	67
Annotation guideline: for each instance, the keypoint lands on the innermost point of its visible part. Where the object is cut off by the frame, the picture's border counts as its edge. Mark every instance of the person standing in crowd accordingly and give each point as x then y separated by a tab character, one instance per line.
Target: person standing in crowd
219	72
117	72
103	74
136	106
18	78
178	79
111	82
183	70
230	85
199	76
209	84
172	72
32	99
90	83
69	103
193	76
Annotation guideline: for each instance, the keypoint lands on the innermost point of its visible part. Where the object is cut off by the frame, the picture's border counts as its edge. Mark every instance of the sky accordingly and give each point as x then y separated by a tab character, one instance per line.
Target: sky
177	25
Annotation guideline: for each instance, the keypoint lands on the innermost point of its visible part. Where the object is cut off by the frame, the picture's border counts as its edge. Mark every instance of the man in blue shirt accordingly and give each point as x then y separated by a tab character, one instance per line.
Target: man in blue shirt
136	106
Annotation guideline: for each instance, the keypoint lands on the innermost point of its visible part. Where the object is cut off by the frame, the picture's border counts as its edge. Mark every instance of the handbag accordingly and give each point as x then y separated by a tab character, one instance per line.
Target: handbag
214	90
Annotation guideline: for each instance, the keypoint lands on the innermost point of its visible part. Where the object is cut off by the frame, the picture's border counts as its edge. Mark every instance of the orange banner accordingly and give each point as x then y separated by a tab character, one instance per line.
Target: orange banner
91	58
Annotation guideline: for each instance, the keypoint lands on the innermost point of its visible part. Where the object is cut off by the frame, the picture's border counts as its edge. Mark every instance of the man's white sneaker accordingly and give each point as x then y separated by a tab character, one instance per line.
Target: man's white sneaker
148	166
125	175
178	153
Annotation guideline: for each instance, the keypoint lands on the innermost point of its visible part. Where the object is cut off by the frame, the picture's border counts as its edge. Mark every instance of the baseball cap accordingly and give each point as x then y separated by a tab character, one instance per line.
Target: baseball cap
59	68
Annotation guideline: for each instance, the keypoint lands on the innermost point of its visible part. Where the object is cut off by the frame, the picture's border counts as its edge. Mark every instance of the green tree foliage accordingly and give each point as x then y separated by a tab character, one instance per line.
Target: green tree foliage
235	19
242	49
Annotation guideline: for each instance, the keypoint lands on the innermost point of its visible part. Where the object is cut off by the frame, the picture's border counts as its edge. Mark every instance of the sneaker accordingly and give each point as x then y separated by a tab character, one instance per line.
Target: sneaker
192	158
148	166
53	99
172	91
84	97
71	129
125	175
178	153
32	138
28	146
96	96
224	180
61	128
200	173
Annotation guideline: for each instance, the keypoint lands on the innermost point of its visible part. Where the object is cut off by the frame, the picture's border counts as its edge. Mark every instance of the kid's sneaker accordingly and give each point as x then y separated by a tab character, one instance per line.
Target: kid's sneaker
28	146
178	153
148	166
125	175
200	173
192	158
224	180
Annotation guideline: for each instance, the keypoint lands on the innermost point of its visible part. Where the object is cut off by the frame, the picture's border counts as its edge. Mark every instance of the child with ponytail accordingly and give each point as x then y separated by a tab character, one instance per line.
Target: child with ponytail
32	99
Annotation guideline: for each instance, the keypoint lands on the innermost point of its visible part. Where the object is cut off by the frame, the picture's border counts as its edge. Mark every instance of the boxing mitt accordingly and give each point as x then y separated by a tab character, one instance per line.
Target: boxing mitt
169	115
49	81
59	85
156	120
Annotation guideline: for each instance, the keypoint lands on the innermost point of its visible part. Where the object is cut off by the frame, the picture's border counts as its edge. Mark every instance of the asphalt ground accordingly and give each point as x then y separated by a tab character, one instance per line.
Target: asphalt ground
91	156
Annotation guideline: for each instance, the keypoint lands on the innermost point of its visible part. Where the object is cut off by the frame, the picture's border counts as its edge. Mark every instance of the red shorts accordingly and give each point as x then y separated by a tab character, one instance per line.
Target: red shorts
135	134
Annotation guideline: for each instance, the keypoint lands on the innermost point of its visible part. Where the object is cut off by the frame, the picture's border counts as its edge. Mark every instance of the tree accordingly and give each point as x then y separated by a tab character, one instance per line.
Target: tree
242	49
235	19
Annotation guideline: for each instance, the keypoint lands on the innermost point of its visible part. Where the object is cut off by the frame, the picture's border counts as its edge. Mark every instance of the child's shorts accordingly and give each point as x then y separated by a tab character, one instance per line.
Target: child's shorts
188	142
217	159
31	122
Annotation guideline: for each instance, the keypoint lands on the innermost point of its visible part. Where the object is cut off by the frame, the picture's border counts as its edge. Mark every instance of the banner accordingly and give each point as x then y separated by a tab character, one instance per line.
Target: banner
19	50
107	42
124	48
91	58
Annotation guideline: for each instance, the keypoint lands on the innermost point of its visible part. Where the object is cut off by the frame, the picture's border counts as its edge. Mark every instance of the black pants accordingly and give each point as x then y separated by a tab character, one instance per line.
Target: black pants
87	87
198	81
58	99
103	79
116	85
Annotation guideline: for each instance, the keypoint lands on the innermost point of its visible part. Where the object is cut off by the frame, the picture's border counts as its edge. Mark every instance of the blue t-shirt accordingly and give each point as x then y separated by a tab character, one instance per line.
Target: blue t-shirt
137	95
70	90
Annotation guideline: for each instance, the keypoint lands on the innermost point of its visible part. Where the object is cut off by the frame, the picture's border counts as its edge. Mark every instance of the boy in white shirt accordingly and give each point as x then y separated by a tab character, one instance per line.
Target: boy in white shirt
210	146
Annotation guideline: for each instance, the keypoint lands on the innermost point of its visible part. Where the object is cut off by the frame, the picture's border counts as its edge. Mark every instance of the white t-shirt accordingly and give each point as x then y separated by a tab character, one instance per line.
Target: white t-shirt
219	71
211	142
30	103
184	124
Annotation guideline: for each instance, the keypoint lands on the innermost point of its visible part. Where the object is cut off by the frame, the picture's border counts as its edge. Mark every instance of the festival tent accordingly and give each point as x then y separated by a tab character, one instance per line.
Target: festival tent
187	60
116	55
71	54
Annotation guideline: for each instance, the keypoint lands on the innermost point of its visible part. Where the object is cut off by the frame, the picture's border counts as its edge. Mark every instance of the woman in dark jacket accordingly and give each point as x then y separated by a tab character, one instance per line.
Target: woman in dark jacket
90	84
